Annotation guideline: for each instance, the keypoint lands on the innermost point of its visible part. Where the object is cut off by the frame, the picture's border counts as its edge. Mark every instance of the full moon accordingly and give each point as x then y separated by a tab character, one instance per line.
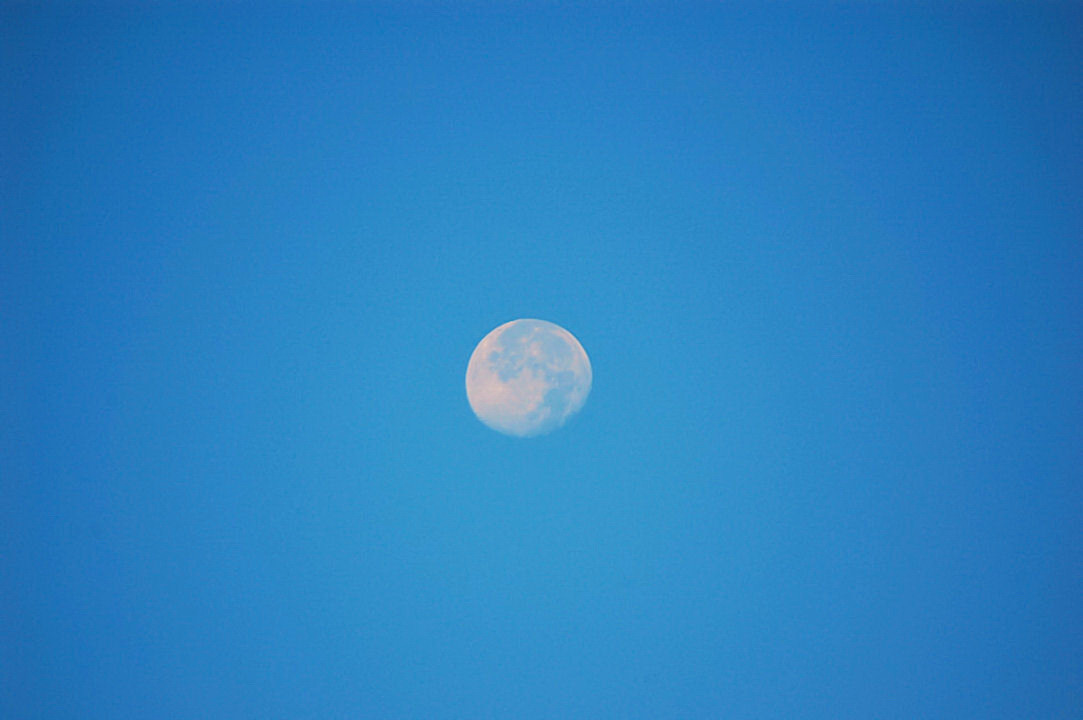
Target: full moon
527	377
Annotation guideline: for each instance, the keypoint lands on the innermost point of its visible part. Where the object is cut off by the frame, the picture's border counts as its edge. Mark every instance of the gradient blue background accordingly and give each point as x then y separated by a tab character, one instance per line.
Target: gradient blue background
826	266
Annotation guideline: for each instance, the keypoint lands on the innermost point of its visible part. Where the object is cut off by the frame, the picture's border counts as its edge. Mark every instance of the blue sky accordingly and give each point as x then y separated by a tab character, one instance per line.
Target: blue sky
825	264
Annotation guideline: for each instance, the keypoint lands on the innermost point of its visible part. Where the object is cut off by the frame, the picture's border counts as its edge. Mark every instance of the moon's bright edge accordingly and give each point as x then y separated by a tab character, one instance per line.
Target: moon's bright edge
528	377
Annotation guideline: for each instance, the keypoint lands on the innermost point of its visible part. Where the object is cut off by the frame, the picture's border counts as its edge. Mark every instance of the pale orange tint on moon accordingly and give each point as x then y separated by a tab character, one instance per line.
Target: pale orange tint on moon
528	377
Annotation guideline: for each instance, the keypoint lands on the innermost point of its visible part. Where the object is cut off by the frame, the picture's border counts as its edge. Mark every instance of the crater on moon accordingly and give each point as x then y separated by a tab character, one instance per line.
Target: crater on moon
527	377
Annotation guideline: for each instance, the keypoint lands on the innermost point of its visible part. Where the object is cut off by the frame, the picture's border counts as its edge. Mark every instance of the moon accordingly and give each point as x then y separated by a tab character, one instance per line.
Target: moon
527	377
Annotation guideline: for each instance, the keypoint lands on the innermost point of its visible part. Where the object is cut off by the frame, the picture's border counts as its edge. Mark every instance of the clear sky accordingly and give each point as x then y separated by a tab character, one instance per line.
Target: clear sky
826	265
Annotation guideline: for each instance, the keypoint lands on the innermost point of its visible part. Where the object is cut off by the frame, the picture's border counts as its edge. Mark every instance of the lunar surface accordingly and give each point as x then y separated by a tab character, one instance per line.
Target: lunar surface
527	377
